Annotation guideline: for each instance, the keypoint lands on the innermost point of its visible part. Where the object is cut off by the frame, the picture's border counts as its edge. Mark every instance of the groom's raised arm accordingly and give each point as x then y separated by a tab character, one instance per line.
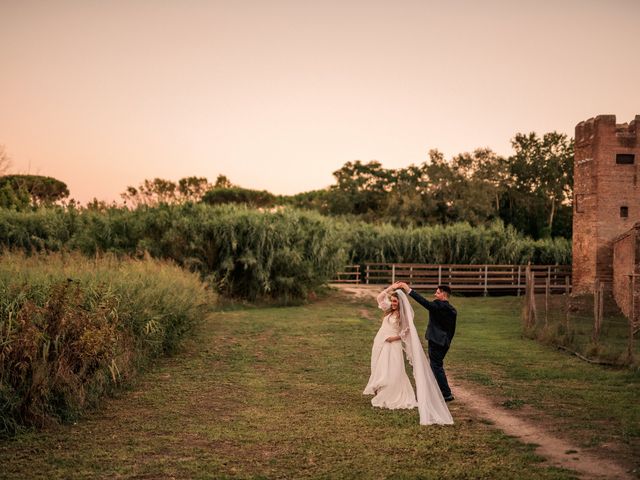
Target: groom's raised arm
415	295
421	300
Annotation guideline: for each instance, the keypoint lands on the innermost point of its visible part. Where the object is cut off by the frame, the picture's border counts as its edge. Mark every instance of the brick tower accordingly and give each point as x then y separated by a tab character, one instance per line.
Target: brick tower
606	195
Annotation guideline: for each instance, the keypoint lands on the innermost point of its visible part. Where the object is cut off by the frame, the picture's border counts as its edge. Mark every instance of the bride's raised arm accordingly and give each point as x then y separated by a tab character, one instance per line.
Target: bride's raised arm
383	298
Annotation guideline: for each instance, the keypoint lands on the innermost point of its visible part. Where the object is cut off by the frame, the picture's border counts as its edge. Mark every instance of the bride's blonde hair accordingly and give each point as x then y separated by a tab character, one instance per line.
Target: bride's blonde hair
391	310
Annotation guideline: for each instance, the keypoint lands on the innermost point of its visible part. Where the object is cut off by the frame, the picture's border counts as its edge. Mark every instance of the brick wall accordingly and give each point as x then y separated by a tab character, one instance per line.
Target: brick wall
626	263
606	195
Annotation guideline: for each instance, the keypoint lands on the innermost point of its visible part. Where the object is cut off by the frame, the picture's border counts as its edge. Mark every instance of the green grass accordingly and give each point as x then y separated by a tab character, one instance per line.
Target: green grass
575	332
276	393
594	406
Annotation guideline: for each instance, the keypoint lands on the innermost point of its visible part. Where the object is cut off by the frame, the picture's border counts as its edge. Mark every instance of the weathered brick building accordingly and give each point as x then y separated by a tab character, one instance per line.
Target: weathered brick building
606	195
626	268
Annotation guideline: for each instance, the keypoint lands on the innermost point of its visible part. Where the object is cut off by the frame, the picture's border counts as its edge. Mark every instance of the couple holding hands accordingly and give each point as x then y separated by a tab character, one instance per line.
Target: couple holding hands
388	381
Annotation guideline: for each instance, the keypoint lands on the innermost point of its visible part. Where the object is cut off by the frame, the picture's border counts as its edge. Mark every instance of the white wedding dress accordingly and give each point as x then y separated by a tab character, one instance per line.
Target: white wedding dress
389	382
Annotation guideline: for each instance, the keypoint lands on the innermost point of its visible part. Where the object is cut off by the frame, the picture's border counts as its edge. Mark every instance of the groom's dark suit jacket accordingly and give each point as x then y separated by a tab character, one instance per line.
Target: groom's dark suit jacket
442	319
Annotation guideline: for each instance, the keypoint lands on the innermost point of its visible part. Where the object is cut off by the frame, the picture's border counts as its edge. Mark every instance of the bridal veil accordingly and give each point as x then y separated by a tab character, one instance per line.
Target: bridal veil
431	405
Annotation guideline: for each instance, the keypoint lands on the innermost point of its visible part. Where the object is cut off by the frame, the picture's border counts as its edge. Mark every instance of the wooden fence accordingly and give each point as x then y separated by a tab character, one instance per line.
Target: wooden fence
591	326
351	274
461	278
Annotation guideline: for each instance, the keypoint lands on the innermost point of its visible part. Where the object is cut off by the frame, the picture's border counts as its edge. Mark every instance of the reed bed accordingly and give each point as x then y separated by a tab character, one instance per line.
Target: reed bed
458	243
282	255
74	328
248	253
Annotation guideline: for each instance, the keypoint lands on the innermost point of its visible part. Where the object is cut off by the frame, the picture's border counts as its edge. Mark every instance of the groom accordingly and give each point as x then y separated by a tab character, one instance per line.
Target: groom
442	327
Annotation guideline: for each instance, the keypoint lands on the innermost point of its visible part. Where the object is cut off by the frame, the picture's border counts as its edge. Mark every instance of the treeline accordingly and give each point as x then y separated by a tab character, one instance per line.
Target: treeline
283	254
530	190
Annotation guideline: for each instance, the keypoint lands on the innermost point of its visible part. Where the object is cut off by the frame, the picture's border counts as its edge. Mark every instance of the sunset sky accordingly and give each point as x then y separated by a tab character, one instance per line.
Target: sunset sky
279	94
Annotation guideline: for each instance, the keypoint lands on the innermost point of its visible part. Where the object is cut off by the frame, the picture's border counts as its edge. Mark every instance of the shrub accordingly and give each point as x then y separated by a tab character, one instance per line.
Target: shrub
238	195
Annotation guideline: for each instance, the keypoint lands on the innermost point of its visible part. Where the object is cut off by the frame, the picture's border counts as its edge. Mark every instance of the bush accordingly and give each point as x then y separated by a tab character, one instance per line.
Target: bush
238	195
247	253
72	328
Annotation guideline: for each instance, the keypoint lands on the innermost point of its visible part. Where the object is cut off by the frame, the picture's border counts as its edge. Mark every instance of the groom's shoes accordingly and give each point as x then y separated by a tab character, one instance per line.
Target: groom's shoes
450	398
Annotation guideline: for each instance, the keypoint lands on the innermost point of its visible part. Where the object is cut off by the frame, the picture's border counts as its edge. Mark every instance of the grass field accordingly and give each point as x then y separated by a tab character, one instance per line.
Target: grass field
276	393
595	406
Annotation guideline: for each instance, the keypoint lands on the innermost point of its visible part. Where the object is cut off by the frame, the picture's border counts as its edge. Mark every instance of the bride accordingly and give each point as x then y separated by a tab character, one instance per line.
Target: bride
388	381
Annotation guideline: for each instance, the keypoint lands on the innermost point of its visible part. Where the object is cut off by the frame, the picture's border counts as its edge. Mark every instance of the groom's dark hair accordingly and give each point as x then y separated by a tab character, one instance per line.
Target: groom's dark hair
445	288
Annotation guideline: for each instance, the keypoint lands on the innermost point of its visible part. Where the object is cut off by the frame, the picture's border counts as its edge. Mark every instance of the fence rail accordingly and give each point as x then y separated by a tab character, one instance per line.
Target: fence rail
351	274
461	278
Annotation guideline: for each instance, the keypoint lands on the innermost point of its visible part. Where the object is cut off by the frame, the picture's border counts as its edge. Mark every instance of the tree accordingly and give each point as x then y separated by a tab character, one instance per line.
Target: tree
151	193
41	190
223	182
5	160
439	188
312	200
542	174
408	202
361	189
160	191
10	198
478	182
192	189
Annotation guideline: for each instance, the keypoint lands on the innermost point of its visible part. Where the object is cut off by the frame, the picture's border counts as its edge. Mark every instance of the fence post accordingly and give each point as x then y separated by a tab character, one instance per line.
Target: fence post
393	273
366	274
526	310
518	287
567	285
596	310
529	298
486	273
547	289
534	312
567	307
439	274
601	307
632	319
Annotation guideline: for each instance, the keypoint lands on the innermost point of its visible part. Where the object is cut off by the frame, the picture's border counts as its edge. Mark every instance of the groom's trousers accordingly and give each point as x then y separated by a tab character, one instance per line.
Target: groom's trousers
436	359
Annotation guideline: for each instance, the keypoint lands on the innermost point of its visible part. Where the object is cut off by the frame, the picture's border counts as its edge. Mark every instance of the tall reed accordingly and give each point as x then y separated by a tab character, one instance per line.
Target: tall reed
72	328
459	243
244	252
250	253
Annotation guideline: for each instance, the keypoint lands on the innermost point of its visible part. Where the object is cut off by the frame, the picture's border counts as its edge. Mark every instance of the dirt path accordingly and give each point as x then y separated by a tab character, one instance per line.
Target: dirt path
557	451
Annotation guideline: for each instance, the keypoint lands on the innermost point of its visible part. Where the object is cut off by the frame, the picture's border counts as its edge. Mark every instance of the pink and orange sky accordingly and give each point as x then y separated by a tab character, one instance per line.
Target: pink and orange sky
277	94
